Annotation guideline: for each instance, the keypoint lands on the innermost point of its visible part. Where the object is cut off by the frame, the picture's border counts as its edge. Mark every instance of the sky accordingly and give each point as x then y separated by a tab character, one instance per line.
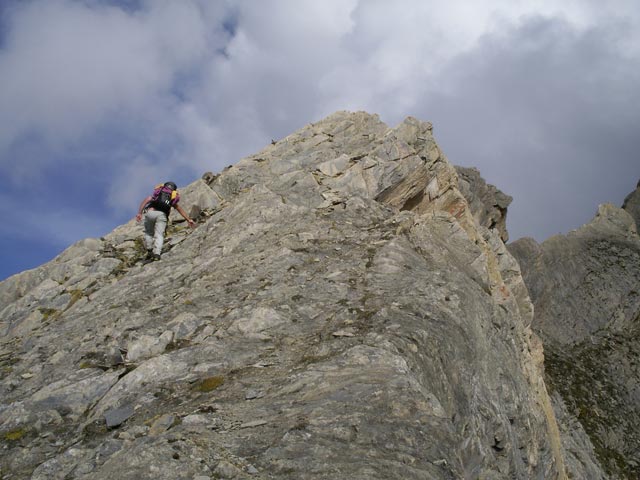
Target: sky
102	99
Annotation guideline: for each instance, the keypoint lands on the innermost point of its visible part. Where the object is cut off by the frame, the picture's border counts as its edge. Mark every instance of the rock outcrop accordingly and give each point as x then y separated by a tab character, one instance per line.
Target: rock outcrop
585	287
632	205
342	311
487	203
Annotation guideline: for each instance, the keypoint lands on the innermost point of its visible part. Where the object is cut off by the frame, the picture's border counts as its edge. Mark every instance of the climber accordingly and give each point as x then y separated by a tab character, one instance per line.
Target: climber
156	208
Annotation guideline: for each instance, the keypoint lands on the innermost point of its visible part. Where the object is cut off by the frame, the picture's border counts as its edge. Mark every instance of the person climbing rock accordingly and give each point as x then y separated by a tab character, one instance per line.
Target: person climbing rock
156	208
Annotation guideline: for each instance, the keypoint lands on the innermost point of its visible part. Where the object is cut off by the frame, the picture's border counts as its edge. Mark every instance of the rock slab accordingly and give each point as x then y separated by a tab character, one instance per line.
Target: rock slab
343	310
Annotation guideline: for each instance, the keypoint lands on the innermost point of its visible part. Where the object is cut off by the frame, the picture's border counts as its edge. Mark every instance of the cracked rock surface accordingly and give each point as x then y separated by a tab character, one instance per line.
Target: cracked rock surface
585	287
340	312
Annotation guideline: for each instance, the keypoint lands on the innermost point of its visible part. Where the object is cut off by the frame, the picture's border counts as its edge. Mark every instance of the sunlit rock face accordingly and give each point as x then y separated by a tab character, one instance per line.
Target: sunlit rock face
345	309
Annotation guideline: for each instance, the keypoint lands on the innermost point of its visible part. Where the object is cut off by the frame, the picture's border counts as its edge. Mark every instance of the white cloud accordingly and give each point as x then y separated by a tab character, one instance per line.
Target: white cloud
71	67
132	182
68	67
163	89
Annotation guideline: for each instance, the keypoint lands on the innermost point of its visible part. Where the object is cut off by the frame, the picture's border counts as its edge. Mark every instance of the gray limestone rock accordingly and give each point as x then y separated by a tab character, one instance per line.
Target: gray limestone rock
488	204
584	286
148	346
196	199
117	416
162	424
585	281
632	205
343	310
184	326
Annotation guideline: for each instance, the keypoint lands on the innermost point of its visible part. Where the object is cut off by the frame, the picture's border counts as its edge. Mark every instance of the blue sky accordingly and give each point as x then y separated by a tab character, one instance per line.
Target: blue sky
100	100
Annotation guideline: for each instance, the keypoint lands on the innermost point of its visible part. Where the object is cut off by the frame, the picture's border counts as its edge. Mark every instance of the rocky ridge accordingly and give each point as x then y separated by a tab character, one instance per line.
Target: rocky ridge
585	288
631	204
487	204
347	308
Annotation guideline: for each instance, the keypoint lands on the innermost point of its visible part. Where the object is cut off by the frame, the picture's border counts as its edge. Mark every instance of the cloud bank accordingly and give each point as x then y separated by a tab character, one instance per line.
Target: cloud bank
101	99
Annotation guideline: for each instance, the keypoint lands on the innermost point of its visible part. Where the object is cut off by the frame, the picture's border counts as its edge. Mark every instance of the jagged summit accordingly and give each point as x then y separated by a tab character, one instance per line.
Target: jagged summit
584	286
346	308
632	204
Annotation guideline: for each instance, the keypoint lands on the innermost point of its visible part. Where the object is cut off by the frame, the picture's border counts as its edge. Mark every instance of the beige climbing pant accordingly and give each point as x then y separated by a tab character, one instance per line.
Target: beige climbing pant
155	223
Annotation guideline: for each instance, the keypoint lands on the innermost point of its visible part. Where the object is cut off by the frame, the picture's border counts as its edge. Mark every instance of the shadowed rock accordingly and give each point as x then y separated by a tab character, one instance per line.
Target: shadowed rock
632	205
488	204
585	289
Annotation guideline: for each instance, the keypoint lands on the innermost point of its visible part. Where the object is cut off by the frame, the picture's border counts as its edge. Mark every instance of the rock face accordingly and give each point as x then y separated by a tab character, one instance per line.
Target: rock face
342	311
585	287
632	204
487	203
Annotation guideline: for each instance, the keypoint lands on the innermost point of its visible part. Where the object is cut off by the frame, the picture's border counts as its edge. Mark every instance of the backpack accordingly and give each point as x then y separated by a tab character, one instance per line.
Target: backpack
164	197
